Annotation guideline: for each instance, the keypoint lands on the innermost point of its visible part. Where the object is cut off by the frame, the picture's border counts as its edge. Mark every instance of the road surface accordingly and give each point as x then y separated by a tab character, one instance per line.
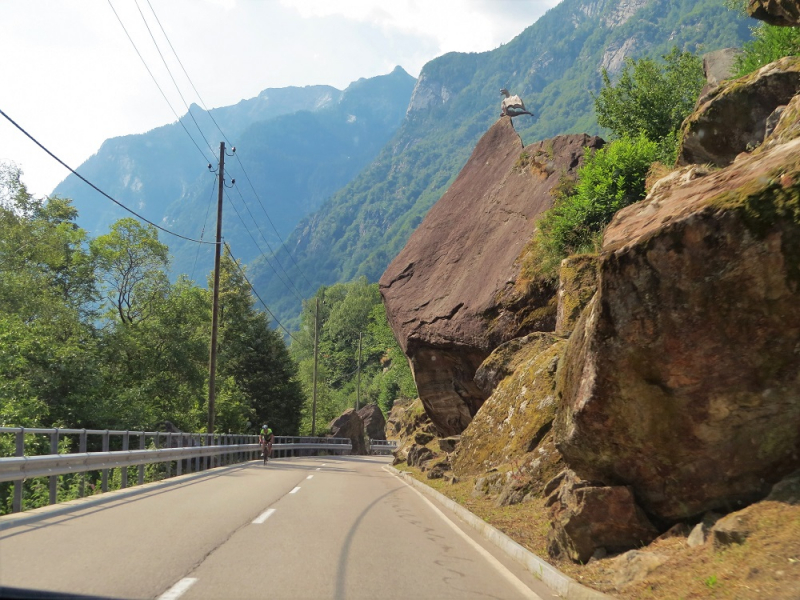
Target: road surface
313	527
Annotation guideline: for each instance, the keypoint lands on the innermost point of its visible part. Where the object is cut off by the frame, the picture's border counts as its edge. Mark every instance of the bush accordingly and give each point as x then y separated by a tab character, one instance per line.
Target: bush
769	44
609	180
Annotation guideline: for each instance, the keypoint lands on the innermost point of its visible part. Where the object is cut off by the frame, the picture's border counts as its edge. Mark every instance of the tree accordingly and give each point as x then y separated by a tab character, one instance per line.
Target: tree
650	98
133	267
769	43
254	358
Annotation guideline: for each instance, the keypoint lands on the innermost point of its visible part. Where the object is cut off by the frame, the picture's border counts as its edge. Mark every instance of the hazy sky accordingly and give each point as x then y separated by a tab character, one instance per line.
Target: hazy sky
72	78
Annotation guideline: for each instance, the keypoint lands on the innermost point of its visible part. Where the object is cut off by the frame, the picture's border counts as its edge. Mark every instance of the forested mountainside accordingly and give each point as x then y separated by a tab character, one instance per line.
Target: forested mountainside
298	146
555	65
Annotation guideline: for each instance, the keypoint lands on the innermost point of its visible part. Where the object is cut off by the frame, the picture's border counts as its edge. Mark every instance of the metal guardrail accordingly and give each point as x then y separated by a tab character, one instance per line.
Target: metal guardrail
204	450
382	446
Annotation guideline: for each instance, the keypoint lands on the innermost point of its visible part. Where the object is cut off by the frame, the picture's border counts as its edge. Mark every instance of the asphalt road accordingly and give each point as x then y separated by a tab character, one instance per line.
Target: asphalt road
316	527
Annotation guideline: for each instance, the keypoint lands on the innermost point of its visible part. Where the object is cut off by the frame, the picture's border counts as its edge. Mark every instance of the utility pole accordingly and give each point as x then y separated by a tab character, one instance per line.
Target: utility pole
316	348
358	384
212	361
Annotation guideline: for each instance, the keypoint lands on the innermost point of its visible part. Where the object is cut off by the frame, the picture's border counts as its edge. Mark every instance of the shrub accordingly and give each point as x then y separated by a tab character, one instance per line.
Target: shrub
609	180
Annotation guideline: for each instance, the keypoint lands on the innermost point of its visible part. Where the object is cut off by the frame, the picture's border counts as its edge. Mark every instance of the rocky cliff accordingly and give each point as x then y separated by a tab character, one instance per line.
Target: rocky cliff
448	293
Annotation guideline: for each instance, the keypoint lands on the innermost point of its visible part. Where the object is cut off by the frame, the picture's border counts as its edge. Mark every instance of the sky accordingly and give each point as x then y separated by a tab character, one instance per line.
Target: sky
72	78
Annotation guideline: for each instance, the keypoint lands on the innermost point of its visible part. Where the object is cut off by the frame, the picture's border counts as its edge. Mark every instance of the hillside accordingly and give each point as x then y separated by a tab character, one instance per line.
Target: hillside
554	65
298	146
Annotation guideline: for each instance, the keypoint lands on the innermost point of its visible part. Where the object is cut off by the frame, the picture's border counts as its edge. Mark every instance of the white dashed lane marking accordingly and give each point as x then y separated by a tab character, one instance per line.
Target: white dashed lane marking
264	516
295	490
310	477
179	589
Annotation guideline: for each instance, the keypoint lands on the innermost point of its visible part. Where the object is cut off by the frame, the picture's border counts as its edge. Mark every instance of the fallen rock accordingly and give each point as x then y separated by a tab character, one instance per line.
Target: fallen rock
418	455
587	517
349	425
732	118
449	444
785	129
785	13
438	469
423	437
731	529
452	295
787	489
680	379
489	484
374	422
634	566
519	413
719	65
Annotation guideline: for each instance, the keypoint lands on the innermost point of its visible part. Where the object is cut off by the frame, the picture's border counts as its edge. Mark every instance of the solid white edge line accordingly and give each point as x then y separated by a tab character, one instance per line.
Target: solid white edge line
263	516
179	589
310	477
500	567
295	490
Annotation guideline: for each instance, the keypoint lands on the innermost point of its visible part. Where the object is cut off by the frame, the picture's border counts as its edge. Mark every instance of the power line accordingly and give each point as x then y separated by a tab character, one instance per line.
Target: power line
274	255
175	83
86	181
283	244
271	314
203	231
156	82
288	287
178	58
241	165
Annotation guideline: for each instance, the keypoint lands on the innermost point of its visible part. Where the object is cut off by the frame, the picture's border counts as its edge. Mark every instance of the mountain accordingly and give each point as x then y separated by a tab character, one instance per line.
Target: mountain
297	146
555	65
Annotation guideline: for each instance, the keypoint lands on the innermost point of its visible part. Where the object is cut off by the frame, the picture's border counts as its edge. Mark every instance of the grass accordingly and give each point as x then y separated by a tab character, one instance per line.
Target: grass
766	566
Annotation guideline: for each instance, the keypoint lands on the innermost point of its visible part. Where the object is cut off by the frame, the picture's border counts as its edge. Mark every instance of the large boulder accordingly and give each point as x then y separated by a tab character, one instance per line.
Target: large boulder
374	422
732	118
682	378
453	293
785	13
719	65
520	411
587	517
349	425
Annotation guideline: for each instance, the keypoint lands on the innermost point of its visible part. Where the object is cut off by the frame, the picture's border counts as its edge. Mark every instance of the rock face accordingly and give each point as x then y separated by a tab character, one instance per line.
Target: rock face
350	425
731	119
374	422
588	517
718	65
776	12
520	411
577	284
448	293
682	378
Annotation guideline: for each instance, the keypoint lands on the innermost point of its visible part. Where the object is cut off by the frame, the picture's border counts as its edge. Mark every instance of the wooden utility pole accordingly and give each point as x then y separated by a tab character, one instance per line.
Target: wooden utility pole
358	384
316	353
212	361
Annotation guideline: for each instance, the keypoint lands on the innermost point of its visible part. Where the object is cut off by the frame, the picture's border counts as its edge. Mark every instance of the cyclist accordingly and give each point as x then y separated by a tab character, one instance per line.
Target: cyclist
265	438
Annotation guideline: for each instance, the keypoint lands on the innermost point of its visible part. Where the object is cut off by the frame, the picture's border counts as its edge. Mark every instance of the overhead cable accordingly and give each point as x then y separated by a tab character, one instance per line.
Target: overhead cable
247	229
169	72
174	112
271	314
97	189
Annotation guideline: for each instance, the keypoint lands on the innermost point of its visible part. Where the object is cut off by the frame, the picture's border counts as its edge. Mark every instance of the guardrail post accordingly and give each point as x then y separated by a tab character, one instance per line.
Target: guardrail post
82	450
16	505
53	478
104	483
179	462
197	458
168	473
142	441
125	447
209	442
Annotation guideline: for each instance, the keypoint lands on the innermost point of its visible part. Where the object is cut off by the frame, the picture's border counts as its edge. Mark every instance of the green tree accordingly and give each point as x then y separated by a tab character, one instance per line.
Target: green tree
133	265
769	43
651	97
254	358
